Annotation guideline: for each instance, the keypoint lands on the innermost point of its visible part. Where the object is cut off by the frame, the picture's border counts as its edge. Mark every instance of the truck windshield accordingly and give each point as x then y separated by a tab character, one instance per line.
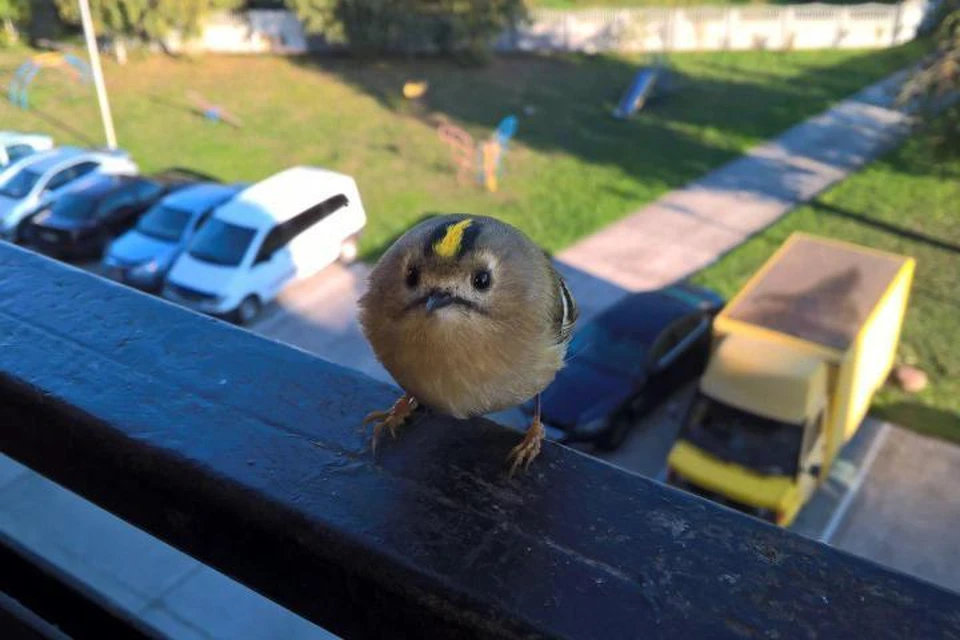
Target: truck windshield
769	447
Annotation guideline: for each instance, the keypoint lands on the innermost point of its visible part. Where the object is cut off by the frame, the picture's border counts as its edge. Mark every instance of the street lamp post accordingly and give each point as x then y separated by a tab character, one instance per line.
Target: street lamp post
91	39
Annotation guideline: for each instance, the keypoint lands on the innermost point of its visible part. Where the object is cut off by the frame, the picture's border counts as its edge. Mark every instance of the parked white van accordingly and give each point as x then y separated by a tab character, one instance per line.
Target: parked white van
284	228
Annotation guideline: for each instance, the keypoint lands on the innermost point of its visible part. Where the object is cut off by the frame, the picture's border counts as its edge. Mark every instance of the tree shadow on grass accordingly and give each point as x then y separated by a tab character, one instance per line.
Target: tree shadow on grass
923	419
565	105
897	230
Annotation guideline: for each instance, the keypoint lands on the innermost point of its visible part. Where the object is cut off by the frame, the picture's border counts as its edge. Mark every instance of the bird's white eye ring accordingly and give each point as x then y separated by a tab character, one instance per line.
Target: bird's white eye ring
413	277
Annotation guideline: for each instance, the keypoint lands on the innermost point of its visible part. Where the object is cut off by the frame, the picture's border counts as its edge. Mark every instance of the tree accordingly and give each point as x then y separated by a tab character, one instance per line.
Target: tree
936	83
148	20
13	12
461	27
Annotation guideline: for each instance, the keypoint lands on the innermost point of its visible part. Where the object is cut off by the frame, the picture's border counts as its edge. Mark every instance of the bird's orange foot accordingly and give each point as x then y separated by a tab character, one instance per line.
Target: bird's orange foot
390	420
528	449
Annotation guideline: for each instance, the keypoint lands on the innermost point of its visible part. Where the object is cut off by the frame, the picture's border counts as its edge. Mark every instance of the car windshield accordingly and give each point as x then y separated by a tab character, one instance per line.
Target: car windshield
73	207
222	243
769	447
164	223
615	352
20	184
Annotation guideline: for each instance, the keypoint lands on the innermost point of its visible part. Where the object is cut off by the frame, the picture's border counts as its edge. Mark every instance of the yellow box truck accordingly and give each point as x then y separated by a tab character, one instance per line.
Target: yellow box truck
797	356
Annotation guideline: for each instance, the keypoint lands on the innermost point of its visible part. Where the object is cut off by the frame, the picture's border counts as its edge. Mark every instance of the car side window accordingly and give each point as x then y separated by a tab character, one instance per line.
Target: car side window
665	342
664	349
117	200
273	241
71	173
83	168
17	151
60	178
147	190
202	219
306	219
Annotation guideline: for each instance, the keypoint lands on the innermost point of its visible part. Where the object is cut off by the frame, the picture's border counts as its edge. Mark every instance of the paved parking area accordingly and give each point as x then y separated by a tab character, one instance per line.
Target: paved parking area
905	513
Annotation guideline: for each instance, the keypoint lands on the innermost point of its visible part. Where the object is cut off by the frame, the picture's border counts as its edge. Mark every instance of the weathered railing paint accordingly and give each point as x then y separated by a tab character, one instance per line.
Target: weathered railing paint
246	454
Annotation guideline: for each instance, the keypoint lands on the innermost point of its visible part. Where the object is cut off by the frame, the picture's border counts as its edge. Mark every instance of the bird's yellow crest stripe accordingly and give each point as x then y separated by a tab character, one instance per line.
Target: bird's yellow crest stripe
449	245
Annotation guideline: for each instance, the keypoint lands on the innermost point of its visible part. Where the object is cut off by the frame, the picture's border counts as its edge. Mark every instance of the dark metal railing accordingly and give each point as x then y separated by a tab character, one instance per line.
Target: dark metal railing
246	455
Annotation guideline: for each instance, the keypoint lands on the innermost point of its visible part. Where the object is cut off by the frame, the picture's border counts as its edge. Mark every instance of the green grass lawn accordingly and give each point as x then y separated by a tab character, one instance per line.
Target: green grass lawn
571	169
908	204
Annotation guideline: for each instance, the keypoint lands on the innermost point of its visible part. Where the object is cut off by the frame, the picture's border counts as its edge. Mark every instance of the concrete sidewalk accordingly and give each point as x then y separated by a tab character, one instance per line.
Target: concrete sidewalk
663	242
690	228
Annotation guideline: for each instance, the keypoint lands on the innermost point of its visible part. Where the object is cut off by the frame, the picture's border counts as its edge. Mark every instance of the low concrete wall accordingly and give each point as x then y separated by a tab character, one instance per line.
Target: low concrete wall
805	26
705	28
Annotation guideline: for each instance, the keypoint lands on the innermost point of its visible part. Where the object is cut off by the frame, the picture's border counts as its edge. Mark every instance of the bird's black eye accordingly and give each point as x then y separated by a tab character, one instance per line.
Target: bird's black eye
481	280
413	277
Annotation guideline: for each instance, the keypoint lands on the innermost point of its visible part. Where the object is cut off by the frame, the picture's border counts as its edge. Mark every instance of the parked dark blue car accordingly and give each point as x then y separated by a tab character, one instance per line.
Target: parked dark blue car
142	256
82	222
627	361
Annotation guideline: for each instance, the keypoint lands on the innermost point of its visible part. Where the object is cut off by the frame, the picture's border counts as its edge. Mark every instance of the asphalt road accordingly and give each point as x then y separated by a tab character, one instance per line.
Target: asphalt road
905	514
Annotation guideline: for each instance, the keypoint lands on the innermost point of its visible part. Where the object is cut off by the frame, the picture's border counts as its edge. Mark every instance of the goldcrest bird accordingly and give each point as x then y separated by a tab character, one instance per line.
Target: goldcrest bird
469	317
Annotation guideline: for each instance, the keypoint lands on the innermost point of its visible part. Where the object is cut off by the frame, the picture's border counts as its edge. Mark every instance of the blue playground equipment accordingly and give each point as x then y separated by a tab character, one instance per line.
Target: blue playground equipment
501	135
638	92
26	72
651	81
505	130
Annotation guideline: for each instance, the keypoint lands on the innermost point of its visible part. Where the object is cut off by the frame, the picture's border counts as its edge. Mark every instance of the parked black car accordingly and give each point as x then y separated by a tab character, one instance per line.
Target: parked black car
82	222
627	361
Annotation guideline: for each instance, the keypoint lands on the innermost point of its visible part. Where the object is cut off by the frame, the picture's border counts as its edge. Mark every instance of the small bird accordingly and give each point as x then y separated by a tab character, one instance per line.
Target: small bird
469	317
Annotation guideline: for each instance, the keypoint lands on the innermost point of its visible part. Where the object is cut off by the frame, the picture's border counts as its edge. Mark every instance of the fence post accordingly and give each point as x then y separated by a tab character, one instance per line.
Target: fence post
897	23
733	19
843	27
670	27
787	30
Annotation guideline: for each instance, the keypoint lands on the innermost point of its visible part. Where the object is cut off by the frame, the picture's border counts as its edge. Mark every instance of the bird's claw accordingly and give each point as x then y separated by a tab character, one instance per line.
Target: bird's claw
528	449
389	420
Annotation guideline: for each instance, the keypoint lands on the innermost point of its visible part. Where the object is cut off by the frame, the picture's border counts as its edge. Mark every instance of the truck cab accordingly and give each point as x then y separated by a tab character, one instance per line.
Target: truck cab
797	357
754	432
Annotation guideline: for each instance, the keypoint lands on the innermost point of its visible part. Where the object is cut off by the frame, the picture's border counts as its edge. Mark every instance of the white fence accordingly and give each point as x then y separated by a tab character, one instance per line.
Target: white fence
255	31
804	26
707	28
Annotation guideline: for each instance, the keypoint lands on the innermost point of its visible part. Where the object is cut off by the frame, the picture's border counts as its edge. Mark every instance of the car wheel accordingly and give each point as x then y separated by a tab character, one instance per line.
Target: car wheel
348	251
248	310
616	434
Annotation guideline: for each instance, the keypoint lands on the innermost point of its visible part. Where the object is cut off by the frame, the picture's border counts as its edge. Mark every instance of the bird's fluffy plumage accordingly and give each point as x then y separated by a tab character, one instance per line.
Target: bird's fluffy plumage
492	349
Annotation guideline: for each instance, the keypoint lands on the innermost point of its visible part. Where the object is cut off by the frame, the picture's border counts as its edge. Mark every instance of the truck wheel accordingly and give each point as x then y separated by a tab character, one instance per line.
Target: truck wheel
348	251
248	311
616	434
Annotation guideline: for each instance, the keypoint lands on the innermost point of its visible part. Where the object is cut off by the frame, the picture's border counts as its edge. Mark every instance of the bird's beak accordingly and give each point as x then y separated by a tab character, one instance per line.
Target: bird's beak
438	300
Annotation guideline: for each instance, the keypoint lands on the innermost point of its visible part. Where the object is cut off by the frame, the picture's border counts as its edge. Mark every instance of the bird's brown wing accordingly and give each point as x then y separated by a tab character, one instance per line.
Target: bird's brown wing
567	312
